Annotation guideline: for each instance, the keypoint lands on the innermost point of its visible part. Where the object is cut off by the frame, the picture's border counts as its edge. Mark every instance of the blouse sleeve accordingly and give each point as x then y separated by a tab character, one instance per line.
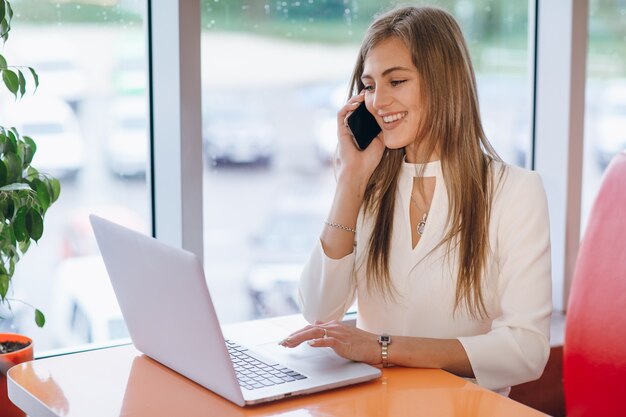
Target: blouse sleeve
326	289
517	347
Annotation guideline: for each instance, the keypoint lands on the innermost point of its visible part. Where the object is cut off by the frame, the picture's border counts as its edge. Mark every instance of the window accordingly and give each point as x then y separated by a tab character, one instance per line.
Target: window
88	119
274	75
605	107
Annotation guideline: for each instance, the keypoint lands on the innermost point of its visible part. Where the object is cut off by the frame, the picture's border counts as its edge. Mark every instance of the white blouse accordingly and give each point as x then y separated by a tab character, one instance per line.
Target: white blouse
511	345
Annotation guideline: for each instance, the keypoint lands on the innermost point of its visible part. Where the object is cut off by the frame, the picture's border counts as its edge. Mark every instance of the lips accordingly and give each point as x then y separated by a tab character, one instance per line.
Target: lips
390	118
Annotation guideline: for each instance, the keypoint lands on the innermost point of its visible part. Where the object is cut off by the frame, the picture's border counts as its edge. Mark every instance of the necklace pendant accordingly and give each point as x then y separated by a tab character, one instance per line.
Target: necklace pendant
421	225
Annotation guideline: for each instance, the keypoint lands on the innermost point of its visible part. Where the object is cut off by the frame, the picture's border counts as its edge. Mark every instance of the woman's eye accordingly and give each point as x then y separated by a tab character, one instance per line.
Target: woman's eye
368	88
395	83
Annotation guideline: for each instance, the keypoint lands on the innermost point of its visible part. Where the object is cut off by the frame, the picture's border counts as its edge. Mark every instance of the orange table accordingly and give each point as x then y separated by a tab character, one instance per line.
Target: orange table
120	381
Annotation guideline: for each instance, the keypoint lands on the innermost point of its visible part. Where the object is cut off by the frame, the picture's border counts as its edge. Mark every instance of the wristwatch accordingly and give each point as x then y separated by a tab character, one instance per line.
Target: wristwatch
385	341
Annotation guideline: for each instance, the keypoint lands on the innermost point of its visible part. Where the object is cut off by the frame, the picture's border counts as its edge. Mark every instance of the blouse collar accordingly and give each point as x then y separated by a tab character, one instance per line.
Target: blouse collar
430	169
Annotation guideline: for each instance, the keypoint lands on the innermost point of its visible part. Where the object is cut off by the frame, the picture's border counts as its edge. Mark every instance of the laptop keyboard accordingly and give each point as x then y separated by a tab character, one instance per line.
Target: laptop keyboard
253	373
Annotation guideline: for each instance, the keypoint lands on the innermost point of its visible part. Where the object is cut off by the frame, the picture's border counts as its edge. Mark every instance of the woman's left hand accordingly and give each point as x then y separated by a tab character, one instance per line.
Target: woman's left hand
347	341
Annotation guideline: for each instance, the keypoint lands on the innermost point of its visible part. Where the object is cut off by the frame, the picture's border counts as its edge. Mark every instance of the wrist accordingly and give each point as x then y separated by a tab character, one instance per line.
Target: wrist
351	184
384	340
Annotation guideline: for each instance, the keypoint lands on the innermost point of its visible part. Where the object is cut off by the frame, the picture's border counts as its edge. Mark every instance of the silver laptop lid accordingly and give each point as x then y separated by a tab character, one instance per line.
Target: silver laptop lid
166	304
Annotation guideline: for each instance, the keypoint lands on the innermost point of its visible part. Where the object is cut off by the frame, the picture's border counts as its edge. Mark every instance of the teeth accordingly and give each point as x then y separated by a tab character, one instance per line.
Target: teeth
394	117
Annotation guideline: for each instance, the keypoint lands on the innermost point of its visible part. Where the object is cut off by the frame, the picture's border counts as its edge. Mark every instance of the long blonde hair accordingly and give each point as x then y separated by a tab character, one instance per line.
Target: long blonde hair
451	123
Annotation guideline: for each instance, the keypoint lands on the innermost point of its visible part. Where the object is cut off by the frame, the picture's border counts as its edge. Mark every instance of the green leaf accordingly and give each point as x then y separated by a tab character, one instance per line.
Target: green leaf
19	225
8	209
42	194
3	62
14	166
29	150
22	83
31	143
31	173
34	225
35	77
9	10
24	246
11	81
4	281
16	186
3	174
2	9
55	187
4	29
12	140
40	319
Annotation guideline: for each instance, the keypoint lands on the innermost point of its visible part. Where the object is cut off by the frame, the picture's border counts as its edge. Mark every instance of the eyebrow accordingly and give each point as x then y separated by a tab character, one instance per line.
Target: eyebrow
387	71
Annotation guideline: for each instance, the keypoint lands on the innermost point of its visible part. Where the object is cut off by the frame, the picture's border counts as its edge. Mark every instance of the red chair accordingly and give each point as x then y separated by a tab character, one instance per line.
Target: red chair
594	351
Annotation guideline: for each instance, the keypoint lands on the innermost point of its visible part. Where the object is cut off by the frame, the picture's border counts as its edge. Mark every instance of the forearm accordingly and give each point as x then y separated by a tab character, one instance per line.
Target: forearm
418	352
338	242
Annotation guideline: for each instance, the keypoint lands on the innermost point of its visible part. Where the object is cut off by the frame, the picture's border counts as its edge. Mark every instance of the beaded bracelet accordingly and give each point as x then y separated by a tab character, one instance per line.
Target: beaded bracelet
340	226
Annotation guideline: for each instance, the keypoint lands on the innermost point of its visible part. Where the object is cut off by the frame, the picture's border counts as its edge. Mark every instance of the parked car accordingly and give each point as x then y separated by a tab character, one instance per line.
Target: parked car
237	133
611	124
326	136
85	309
59	75
127	144
77	235
273	288
279	251
54	127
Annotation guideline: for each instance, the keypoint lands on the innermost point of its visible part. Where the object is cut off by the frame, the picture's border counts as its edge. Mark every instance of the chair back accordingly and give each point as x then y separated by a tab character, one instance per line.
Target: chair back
594	351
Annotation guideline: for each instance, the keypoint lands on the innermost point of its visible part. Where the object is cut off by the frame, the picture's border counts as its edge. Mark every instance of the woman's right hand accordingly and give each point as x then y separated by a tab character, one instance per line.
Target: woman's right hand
354	164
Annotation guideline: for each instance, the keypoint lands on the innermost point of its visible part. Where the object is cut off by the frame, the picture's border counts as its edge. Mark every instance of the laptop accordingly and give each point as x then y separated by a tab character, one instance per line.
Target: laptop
165	301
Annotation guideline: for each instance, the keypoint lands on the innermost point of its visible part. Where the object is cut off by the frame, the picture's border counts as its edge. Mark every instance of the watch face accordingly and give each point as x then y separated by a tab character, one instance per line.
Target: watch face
384	339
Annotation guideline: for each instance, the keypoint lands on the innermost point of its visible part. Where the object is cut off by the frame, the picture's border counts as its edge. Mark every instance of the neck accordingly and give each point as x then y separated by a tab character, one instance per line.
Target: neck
417	154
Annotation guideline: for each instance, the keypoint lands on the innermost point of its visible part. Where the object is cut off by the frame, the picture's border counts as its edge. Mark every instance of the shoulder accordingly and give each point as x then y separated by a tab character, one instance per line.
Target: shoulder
519	199
515	183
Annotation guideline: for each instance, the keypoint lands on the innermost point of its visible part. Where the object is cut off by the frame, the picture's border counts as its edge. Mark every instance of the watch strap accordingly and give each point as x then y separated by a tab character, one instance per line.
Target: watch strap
385	341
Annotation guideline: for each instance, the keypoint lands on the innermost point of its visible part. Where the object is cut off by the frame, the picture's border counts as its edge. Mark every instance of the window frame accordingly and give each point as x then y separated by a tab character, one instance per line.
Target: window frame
176	172
558	35
558	127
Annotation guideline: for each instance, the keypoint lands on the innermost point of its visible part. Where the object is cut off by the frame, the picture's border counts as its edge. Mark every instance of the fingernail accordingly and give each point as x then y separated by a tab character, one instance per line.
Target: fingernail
311	342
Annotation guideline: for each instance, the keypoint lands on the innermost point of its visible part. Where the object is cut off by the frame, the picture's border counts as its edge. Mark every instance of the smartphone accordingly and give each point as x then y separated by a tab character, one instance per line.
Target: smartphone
363	127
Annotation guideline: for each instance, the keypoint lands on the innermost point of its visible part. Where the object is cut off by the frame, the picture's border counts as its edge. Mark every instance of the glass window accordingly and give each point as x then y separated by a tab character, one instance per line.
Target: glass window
274	75
605	107
88	119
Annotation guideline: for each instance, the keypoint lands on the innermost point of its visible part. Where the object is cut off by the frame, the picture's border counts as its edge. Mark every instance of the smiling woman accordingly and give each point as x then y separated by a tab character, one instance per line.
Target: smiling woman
286	67
449	269
392	93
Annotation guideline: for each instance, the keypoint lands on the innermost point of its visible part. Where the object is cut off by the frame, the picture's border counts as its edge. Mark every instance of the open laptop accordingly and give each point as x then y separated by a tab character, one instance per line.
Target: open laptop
165	301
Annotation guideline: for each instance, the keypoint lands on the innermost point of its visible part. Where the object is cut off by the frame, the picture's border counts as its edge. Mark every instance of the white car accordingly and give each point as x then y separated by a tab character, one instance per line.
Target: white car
54	127
237	134
279	251
55	60
273	288
127	143
85	309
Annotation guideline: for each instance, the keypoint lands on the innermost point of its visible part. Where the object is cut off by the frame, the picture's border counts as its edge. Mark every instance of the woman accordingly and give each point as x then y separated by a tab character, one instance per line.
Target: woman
445	247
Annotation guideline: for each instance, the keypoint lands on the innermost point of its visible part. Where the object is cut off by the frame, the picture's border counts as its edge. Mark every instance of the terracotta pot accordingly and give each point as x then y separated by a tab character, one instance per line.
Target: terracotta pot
7	360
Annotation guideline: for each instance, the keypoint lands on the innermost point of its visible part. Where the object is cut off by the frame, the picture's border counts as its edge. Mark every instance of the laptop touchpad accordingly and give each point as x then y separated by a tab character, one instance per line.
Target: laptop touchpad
299	353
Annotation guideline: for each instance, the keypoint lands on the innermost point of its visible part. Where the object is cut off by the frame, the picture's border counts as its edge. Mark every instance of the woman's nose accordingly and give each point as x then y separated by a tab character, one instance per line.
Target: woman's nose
381	99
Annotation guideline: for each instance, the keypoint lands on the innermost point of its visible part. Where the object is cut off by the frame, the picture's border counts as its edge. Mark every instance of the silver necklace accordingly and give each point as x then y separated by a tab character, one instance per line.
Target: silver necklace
422	224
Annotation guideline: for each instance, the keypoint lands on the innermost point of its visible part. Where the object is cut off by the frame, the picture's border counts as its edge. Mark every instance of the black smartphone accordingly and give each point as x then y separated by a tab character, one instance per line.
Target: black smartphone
363	127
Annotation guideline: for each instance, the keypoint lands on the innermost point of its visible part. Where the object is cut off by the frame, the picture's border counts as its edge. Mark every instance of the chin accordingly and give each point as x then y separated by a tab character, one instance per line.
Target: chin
395	142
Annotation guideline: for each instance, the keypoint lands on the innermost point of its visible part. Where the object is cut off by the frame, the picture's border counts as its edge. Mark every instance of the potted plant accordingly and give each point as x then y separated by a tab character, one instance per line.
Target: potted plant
25	196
